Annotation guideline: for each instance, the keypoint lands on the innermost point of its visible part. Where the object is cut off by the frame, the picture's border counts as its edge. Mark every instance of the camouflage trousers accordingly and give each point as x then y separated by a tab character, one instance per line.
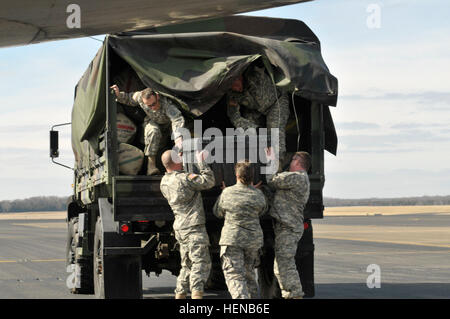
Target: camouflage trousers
155	137
285	269
195	259
277	117
238	267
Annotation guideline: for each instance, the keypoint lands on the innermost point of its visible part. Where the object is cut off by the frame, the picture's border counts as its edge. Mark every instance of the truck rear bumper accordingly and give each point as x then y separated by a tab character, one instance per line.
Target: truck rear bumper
149	245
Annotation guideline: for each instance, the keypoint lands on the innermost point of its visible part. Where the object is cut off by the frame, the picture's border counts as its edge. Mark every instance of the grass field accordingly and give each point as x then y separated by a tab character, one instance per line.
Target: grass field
329	211
385	210
33	215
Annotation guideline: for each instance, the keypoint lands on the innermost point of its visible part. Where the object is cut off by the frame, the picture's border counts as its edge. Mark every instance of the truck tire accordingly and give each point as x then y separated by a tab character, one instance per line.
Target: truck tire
305	267
216	280
99	285
268	283
82	264
304	259
115	277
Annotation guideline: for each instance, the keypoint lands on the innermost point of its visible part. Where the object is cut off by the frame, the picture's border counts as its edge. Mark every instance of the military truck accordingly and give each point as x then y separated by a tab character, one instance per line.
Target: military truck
120	225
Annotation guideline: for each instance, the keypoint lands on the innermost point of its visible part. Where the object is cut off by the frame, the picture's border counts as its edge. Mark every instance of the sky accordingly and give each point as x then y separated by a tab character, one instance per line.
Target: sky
392	61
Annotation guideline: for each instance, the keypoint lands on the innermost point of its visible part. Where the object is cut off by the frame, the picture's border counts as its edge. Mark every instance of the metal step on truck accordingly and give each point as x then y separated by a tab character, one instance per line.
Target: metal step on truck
119	224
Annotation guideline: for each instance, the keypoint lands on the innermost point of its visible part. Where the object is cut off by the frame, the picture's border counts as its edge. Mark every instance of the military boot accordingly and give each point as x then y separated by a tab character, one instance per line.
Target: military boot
197	294
180	296
151	166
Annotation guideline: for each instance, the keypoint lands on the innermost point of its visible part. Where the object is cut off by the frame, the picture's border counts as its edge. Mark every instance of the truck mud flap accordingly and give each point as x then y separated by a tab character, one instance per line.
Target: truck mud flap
118	274
304	260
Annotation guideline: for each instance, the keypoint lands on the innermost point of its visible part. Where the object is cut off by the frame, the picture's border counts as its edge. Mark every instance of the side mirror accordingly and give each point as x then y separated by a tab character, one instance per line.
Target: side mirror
54	148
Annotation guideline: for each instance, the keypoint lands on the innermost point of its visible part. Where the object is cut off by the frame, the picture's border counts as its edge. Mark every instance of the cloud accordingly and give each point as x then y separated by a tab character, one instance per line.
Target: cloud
356	125
387	183
427	98
444	131
404	141
391	65
412	126
22	128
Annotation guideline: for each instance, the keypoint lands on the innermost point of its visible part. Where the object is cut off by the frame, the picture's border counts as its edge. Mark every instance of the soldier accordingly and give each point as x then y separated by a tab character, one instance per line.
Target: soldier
241	205
160	112
183	192
254	96
291	195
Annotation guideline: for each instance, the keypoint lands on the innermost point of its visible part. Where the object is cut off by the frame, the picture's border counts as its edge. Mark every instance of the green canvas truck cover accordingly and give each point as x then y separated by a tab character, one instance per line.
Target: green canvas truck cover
196	62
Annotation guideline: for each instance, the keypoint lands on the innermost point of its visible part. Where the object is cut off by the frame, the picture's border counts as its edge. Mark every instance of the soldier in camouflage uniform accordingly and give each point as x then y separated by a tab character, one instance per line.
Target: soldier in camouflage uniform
241	205
253	97
160	111
291	194
183	192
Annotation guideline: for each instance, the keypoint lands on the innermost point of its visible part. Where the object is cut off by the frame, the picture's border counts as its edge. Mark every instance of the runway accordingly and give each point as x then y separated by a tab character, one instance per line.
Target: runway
412	252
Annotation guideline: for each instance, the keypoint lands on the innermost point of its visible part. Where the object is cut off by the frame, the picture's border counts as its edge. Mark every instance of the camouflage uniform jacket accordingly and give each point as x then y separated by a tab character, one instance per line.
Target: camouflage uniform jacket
183	192
259	93
167	113
291	195
241	207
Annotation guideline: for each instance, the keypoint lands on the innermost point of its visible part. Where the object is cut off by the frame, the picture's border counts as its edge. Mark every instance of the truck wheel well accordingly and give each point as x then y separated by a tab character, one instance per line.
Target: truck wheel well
73	210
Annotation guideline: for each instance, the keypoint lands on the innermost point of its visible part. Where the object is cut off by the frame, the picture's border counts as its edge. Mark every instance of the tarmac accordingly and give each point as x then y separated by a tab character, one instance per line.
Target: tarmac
356	256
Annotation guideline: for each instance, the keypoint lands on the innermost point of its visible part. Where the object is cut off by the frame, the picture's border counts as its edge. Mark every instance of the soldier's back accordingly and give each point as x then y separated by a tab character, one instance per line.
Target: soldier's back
291	196
242	205
186	203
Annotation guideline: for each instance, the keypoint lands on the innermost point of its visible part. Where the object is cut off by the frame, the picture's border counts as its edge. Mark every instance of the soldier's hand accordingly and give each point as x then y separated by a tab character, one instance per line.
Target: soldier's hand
116	89
232	103
201	156
179	142
270	154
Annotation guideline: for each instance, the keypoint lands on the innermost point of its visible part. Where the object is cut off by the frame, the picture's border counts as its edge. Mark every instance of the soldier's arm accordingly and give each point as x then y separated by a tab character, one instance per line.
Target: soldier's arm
129	98
234	114
238	121
217	209
163	189
204	180
265	206
283	181
176	118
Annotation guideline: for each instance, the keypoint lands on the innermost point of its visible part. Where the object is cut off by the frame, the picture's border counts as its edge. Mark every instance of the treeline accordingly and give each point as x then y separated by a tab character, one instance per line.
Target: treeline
401	201
34	204
55	203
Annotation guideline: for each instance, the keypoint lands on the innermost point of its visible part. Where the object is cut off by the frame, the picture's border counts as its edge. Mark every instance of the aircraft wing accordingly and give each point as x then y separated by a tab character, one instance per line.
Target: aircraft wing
33	21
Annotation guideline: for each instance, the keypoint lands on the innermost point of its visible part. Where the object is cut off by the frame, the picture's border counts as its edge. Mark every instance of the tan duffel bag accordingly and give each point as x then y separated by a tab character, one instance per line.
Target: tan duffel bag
126	129
130	159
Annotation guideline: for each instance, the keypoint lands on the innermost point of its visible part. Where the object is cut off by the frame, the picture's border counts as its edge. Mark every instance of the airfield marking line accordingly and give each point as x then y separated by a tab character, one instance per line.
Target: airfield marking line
31	260
42	225
384	241
384	252
444	230
30	225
